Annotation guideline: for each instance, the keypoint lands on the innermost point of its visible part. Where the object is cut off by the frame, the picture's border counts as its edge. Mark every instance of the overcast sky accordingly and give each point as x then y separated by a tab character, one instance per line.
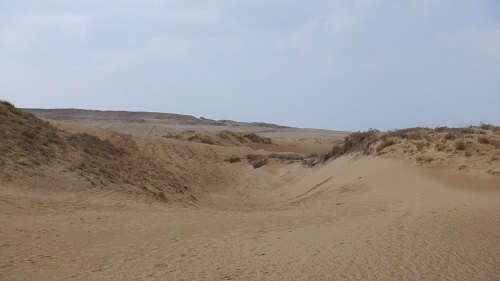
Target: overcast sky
345	65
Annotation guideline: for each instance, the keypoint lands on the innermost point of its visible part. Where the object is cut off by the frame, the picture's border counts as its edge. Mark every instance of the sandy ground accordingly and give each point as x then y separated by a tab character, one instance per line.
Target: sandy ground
386	217
372	218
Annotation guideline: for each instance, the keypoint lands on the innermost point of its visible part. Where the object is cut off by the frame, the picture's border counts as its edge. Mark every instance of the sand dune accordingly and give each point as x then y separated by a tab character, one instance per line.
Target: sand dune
381	216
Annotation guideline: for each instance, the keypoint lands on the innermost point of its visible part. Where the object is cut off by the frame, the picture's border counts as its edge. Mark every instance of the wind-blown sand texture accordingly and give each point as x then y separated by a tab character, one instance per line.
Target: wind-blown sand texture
355	217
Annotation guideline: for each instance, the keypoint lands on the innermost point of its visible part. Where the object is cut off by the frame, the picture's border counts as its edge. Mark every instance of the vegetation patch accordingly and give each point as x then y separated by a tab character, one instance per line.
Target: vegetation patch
449	136
94	146
252	157
385	143
420	145
291	157
423	159
258	162
493	173
466	138
460	145
440	146
27	144
220	138
233	159
468	130
495	143
483	139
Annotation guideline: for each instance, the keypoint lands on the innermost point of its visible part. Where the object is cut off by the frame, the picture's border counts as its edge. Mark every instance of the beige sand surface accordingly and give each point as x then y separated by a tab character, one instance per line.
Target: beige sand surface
358	217
365	219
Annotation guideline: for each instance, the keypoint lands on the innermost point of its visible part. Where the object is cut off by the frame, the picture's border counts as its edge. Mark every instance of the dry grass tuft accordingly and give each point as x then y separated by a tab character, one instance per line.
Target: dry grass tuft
460	145
233	159
483	139
286	156
259	163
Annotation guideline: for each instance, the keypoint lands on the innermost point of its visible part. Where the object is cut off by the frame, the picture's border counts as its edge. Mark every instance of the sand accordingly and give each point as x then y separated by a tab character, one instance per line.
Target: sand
357	217
365	219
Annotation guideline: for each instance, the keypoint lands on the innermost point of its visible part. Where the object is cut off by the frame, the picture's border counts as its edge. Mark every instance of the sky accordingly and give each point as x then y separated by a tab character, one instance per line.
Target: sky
341	65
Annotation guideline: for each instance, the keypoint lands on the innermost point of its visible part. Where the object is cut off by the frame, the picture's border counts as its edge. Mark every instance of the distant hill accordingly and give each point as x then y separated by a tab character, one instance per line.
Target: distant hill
162	124
85	116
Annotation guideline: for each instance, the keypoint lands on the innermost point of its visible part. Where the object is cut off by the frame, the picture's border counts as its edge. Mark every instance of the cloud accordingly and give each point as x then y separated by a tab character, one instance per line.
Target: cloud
73	24
321	26
364	3
472	40
492	43
115	61
44	37
30	25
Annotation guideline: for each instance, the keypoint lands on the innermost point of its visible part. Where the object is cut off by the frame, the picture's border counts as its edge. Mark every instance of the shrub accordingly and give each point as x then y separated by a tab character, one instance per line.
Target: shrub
449	136
423	159
29	134
206	140
259	162
385	143
462	167
224	135
468	130
493	173
495	143
233	159
486	126
286	156
254	138
440	146
414	136
420	145
483	139
460	145
360	141
253	157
